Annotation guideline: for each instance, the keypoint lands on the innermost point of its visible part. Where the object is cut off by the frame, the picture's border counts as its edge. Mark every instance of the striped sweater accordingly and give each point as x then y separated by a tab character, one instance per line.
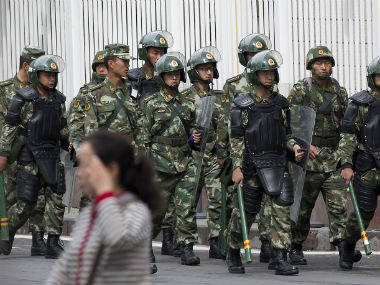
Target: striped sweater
122	226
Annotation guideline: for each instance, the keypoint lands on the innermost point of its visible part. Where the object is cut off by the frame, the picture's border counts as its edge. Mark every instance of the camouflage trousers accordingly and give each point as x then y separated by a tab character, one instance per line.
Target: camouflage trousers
280	226
180	188
352	232
334	194
264	219
212	185
36	223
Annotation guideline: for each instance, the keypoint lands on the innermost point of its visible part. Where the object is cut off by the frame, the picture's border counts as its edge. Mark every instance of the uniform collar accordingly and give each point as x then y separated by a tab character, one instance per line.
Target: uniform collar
168	97
113	88
18	83
374	95
200	92
329	88
260	100
147	75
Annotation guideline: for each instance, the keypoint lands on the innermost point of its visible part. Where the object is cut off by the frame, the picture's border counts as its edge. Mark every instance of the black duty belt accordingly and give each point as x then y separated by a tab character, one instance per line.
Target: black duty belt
322	141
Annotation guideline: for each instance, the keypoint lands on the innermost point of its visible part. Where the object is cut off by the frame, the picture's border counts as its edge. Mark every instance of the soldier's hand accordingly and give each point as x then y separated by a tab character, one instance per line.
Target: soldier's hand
347	174
298	155
313	154
237	177
197	136
220	161
3	163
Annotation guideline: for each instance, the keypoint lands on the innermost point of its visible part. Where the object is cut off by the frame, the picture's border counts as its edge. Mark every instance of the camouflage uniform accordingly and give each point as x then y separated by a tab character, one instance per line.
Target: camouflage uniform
215	148
166	138
8	89
280	231
322	174
348	145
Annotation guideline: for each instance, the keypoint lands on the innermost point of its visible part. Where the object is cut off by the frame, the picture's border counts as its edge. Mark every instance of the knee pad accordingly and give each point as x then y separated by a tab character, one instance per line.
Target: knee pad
366	195
286	198
252	199
27	185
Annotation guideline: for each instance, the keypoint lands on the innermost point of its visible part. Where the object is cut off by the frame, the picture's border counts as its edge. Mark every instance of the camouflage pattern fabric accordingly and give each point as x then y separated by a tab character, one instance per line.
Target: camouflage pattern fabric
280	225
168	123
264	218
22	210
330	104
347	146
8	89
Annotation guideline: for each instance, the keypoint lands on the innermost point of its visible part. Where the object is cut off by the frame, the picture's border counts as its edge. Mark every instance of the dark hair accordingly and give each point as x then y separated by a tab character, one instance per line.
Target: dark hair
22	61
107	58
136	171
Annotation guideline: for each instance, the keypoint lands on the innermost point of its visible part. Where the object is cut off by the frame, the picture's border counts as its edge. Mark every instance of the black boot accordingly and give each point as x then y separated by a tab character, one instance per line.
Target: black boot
265	250
296	255
177	250
152	257
346	252
167	242
234	261
188	257
283	267
357	256
153	268
215	251
53	247
6	246
38	244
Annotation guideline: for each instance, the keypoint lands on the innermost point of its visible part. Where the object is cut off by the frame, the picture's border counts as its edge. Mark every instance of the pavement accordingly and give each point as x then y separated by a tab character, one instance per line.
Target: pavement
20	268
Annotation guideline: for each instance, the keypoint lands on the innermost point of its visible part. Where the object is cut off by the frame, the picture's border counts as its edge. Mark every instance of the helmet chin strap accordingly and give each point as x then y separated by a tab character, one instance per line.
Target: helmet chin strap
172	87
47	88
207	81
320	76
268	87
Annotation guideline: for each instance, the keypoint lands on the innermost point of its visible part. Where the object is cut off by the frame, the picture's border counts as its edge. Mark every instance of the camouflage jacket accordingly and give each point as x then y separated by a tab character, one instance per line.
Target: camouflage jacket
168	123
8	89
216	145
9	132
330	104
348	143
76	113
237	143
102	100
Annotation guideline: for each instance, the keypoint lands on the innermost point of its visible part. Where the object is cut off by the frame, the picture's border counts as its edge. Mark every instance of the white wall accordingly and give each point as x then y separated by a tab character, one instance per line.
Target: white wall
76	29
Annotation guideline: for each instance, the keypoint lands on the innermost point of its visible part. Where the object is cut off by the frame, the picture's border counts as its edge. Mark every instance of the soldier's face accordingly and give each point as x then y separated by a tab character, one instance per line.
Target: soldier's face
119	66
206	71
249	55
376	80
47	78
322	67
154	54
266	77
172	78
101	70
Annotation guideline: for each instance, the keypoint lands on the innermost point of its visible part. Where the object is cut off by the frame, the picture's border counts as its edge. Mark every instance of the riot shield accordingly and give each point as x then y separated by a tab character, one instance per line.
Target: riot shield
302	121
204	109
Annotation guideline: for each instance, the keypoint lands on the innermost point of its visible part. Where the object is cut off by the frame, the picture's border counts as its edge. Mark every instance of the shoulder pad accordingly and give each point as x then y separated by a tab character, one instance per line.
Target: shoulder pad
185	92
135	74
235	78
97	86
150	97
244	100
362	97
217	92
298	86
6	83
281	100
27	93
60	97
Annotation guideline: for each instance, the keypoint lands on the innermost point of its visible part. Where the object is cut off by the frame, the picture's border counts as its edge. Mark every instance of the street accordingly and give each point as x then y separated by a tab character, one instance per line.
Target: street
20	268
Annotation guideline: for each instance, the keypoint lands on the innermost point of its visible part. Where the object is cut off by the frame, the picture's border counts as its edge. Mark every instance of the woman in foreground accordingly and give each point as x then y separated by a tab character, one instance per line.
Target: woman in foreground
111	237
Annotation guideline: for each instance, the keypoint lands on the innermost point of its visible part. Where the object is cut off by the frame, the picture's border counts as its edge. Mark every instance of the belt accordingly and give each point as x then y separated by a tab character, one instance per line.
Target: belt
329	142
170	141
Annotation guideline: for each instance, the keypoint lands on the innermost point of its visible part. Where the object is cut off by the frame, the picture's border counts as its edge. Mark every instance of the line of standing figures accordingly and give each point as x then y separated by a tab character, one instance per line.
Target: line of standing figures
254	151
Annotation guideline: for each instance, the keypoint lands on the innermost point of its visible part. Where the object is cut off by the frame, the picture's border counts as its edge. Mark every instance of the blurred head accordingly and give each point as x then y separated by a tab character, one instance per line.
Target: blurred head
132	173
101	70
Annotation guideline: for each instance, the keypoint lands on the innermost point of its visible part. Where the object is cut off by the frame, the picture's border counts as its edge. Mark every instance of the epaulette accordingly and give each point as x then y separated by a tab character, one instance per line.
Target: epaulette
150	97
185	92
5	83
218	92
343	90
297	86
235	78
97	86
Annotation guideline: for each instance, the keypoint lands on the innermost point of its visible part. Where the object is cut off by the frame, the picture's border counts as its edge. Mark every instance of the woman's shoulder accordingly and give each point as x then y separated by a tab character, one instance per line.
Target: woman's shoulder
130	202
